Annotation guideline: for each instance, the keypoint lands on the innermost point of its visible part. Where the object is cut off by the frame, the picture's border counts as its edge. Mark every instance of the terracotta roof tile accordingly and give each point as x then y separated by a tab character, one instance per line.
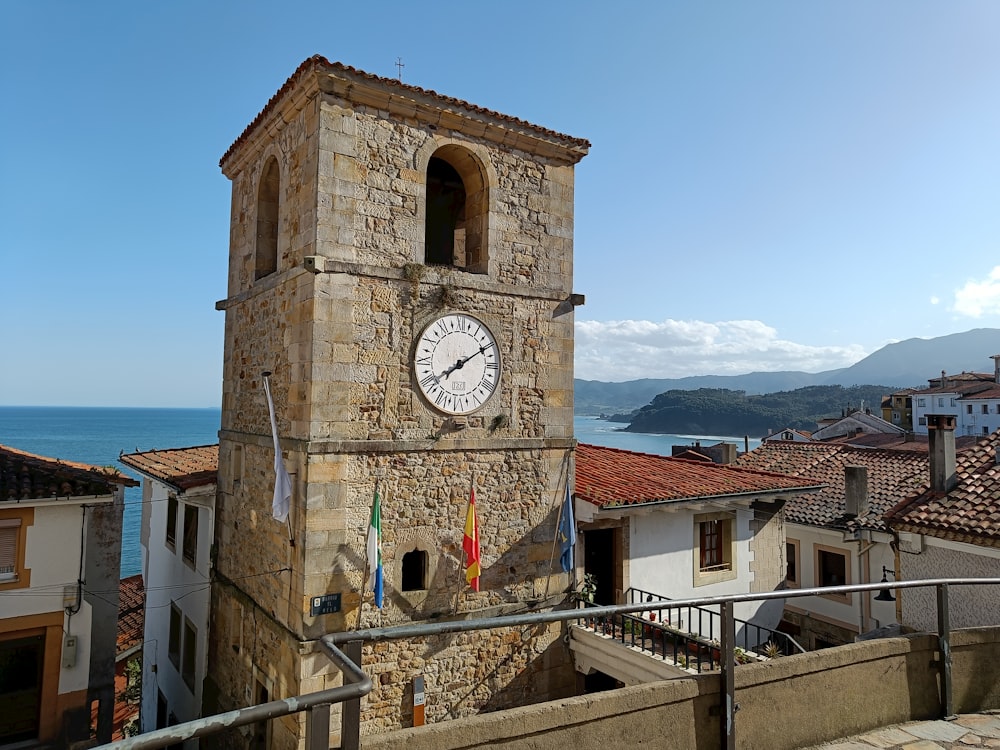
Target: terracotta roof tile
183	468
903	442
320	63
610	476
892	474
968	513
131	612
26	476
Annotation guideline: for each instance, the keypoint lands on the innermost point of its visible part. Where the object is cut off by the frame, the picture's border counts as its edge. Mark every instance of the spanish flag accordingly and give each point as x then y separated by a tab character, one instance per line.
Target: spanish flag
470	544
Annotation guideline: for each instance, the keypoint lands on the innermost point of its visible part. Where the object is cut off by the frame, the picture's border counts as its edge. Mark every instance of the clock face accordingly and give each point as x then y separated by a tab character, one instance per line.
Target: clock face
457	363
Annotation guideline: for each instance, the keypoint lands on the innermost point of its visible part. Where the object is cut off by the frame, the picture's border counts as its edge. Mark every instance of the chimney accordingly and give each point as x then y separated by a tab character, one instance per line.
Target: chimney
856	490
941	450
727	454
996	368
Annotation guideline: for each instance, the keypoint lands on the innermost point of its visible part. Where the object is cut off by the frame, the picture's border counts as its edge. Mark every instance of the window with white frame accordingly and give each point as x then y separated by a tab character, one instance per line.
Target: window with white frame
921	402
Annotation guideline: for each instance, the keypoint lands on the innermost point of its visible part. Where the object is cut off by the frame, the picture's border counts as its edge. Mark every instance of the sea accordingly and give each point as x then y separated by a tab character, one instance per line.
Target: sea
99	435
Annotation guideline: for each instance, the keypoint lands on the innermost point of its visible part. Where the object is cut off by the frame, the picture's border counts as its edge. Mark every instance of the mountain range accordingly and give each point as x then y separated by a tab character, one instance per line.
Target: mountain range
904	364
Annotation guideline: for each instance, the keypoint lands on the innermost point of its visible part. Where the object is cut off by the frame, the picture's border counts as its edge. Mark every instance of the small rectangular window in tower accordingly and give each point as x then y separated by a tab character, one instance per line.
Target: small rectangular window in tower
414	570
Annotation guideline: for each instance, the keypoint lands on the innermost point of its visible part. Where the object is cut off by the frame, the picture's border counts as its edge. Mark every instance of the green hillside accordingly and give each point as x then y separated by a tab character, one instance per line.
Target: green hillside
717	411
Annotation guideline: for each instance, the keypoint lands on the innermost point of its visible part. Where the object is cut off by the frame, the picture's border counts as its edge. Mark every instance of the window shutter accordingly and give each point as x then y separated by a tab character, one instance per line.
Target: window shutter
9	531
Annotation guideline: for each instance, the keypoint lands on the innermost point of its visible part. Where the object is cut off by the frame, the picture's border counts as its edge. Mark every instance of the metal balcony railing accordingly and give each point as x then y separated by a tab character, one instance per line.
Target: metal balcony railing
687	634
317	705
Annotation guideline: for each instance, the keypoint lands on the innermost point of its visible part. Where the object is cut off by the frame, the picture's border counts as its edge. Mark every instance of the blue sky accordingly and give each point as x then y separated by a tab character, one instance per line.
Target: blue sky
771	185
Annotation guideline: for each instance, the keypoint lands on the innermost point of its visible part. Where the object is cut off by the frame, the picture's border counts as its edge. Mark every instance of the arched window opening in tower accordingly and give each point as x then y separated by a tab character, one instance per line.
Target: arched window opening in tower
445	226
266	250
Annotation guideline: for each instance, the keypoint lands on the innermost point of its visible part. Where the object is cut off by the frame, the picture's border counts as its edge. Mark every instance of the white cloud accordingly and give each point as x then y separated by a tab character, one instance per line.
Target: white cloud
631	349
935	300
978	298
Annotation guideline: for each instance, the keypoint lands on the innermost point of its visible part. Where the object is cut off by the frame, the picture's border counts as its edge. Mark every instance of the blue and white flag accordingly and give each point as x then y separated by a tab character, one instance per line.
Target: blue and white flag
282	482
567	533
374	581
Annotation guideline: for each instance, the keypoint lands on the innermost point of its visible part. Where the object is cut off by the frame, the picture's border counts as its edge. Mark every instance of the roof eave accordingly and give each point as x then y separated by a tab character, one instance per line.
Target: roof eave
742	499
317	74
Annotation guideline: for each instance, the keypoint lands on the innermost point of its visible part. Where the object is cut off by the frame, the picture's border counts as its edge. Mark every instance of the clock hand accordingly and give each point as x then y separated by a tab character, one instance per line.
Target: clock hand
462	362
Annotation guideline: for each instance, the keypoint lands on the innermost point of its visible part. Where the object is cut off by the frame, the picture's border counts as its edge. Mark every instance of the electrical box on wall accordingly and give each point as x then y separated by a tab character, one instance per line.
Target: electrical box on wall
69	652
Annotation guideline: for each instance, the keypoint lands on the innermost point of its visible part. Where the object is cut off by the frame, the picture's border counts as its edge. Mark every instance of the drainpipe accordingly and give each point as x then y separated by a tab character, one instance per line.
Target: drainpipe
865	599
899	592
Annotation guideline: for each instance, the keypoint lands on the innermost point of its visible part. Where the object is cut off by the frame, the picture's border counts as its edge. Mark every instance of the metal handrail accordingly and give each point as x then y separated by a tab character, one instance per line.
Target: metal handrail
359	685
317	734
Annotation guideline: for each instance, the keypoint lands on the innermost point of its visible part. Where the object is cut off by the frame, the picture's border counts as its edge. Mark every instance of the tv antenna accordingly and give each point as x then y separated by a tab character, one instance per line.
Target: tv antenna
399	68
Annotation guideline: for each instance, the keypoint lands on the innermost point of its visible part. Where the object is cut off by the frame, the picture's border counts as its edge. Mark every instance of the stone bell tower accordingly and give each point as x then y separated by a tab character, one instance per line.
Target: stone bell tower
401	261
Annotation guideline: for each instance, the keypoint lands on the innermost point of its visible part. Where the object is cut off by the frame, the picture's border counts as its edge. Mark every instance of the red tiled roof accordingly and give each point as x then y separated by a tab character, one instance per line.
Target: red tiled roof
892	474
609	476
318	62
968	513
887	441
183	468
26	476
965	383
992	391
131	612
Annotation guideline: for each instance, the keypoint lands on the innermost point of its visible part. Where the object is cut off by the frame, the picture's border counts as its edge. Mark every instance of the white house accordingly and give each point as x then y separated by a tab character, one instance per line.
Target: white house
680	529
178	519
973	398
60	556
856	423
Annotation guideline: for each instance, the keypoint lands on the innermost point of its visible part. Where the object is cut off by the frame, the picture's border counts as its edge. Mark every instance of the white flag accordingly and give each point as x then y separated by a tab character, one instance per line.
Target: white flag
282	482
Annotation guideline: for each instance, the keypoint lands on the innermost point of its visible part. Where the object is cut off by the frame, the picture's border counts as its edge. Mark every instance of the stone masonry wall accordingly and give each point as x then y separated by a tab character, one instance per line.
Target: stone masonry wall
339	344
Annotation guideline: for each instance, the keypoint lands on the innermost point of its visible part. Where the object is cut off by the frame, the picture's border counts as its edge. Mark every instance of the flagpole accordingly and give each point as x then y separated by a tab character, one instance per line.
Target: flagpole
364	577
461	546
555	537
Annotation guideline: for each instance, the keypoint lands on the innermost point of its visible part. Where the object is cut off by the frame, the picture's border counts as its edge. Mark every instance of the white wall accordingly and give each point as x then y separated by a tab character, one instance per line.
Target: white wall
52	553
662	558
809	537
168	577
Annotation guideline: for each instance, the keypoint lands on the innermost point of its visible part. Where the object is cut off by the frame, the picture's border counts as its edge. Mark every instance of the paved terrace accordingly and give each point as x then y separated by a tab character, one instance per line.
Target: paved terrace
964	731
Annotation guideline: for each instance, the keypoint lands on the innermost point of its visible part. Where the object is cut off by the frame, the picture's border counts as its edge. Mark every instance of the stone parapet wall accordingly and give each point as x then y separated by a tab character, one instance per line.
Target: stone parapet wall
787	703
